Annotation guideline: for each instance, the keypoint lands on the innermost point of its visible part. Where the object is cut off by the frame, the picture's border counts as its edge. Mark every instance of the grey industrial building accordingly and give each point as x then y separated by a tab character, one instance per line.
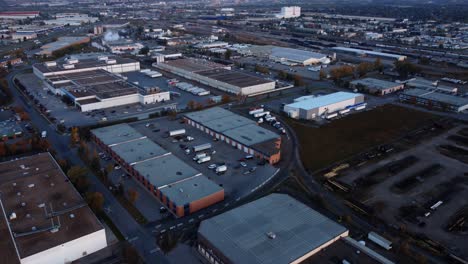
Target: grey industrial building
433	99
369	53
238	131
311	107
376	86
275	229
217	76
181	188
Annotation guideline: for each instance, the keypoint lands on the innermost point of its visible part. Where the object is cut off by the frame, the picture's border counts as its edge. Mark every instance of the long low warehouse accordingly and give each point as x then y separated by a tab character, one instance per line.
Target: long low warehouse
369	53
217	76
310	107
238	131
272	229
435	100
376	86
181	188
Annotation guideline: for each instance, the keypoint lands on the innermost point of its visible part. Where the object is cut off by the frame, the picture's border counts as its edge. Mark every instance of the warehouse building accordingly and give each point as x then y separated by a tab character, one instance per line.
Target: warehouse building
238	131
376	86
43	218
282	55
425	84
369	53
61	43
435	100
272	229
99	89
217	76
178	186
84	63
311	107
19	15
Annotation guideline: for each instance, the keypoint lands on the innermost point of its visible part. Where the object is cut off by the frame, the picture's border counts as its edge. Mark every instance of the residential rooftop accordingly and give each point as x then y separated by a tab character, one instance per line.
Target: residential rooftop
321	101
272	229
49	211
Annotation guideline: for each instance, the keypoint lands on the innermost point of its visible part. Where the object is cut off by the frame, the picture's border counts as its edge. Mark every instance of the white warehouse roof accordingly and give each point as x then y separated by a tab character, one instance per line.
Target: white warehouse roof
325	100
296	54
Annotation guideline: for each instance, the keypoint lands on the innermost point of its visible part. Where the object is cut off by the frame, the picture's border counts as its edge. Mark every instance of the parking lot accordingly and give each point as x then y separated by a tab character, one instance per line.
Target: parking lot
59	112
405	188
237	181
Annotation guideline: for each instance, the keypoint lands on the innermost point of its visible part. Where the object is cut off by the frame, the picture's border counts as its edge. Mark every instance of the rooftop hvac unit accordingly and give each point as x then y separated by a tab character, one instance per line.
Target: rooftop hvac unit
13	216
68	66
72	61
111	61
50	63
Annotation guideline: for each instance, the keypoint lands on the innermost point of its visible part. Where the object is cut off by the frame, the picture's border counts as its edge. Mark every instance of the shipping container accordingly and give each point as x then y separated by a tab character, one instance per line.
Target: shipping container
176	132
202	147
204	159
258	110
379	240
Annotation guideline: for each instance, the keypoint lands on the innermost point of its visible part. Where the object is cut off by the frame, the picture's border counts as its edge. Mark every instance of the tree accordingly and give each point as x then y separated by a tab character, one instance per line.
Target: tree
225	99
95	163
405	68
130	255
378	66
298	81
144	50
228	54
363	68
74	136
132	195
191	104
95	201
283	75
322	75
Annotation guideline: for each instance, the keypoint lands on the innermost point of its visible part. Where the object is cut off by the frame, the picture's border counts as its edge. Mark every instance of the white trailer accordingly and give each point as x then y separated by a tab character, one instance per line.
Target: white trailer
360	107
344	111
44	134
201	147
330	116
204	159
258	110
176	132
436	205
199	156
379	240
261	114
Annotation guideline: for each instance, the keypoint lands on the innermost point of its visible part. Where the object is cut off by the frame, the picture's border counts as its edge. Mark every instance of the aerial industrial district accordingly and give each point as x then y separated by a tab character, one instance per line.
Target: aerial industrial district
233	132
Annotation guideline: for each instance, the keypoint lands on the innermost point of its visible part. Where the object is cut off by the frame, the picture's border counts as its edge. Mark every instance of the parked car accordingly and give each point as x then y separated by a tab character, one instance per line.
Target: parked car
243	164
212	166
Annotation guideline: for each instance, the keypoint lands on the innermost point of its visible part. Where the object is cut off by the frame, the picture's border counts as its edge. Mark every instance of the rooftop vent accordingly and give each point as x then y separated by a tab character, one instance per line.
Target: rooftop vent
72	216
271	235
23	204
14	184
33	228
31	185
42	205
180	190
18	193
28	215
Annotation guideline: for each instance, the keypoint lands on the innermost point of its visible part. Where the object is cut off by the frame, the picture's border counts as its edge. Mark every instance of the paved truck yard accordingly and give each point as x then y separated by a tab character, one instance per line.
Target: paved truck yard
402	188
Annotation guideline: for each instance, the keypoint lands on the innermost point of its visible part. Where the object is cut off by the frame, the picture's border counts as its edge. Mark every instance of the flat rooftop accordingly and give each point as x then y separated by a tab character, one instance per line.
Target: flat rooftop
296	54
376	83
190	190
232	125
370	52
138	150
321	101
439	97
165	170
235	78
99	83
113	135
84	63
194	65
38	192
61	43
242	236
